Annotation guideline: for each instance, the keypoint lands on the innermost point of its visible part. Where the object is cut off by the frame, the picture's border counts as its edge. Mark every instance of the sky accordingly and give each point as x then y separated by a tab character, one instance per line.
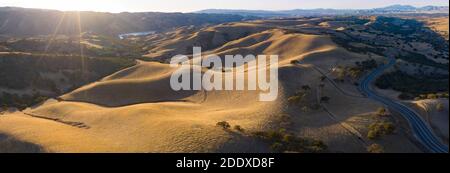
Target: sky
195	5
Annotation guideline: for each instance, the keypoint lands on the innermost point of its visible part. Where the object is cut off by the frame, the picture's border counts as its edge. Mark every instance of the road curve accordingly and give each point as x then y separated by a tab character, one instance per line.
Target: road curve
421	130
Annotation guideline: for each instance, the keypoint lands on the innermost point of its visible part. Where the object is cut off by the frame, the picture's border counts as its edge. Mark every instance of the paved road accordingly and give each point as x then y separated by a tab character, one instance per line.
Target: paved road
420	128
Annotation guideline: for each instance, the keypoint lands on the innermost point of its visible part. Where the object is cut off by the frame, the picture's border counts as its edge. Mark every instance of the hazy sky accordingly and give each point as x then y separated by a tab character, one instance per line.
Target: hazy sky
194	5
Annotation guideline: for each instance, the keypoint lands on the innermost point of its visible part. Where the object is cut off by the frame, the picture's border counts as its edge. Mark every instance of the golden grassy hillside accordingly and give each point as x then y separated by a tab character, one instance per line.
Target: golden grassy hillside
135	110
439	25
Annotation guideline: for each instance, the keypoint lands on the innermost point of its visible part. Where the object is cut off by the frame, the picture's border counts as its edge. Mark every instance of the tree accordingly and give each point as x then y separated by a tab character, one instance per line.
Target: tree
341	75
405	96
381	111
288	138
305	109
277	147
355	72
440	107
372	134
322	78
295	99
325	99
375	148
225	125
306	87
388	128
431	96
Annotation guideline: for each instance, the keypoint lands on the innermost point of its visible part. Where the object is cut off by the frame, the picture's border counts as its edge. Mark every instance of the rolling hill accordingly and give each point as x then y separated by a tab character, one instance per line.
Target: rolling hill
32	22
393	9
134	109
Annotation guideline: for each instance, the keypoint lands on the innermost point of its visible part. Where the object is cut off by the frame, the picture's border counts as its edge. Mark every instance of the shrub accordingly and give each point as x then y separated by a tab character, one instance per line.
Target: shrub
225	125
238	128
295	62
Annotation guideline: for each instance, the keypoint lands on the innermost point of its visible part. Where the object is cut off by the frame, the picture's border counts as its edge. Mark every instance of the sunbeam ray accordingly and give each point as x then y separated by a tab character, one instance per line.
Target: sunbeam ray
83	65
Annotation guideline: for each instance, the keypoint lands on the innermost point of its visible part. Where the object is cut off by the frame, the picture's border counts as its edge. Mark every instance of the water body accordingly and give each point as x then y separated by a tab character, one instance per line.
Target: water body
136	34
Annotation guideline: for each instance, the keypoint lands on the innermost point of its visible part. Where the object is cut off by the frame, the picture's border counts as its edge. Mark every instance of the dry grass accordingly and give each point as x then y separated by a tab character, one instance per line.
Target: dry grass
135	110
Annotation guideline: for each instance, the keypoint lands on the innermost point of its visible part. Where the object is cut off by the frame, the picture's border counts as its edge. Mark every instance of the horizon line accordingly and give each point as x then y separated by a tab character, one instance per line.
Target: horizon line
236	9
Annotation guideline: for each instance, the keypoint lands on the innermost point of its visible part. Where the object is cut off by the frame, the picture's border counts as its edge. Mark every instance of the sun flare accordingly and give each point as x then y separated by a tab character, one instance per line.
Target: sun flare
78	5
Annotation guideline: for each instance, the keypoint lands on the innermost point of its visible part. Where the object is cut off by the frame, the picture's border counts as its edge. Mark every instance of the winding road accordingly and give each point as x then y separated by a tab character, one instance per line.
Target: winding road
421	130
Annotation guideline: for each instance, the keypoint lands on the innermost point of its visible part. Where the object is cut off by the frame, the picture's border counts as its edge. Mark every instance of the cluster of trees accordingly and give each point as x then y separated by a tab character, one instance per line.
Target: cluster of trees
108	47
23	71
420	59
367	64
19	71
283	141
67	46
412	86
346	40
20	101
411	30
396	25
432	96
299	99
382	126
378	129
359	69
226	126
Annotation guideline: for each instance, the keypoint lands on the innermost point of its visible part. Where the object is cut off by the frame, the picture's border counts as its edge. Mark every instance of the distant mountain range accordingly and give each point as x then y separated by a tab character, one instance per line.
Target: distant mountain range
393	9
29	22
